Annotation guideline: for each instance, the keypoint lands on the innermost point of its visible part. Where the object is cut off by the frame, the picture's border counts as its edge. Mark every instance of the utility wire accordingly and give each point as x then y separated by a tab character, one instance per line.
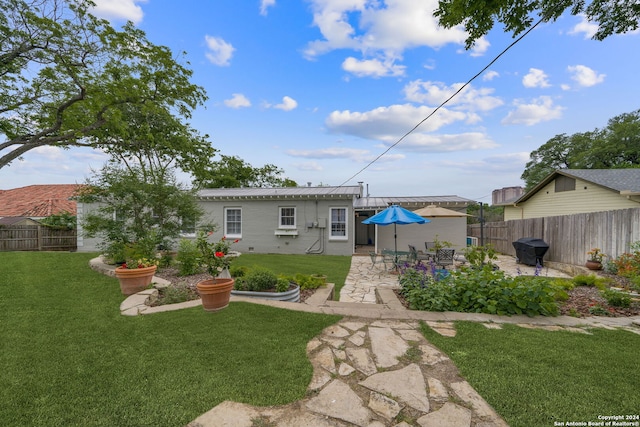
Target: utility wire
445	102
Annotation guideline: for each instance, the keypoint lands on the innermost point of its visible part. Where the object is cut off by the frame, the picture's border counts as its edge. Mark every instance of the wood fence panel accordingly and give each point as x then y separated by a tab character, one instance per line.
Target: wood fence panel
570	237
36	238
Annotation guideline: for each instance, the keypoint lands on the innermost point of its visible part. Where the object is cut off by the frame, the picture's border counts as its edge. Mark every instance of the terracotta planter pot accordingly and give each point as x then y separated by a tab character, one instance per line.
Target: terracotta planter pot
215	293
133	280
593	265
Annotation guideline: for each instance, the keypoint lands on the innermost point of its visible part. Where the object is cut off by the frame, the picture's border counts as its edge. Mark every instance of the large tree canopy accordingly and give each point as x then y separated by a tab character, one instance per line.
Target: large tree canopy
66	76
233	172
611	16
615	146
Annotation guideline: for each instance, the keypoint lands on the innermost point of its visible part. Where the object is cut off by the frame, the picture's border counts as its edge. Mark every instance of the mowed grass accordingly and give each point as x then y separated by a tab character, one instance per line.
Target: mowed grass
68	358
536	377
334	267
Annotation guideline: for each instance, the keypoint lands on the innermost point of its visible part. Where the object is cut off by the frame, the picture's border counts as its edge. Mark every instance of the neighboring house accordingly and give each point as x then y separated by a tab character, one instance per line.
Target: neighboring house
572	191
296	220
38	201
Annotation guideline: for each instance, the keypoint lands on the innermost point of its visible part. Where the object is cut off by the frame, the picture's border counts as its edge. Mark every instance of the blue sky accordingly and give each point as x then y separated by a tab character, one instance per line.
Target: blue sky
320	88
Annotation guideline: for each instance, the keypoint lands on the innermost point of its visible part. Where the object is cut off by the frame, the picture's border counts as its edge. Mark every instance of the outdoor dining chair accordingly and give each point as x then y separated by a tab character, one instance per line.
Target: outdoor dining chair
445	257
417	256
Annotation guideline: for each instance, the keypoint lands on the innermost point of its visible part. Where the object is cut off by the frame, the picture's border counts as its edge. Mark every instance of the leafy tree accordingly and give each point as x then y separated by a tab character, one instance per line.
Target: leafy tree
233	172
478	17
489	213
131	209
66	76
615	146
62	220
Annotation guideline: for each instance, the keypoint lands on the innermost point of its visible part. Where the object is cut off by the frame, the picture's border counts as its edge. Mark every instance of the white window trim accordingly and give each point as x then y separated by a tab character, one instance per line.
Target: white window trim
226	233
346	224
295	221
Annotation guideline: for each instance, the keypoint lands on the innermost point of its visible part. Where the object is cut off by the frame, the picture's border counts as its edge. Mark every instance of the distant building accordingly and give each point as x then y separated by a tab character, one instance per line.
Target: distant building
499	197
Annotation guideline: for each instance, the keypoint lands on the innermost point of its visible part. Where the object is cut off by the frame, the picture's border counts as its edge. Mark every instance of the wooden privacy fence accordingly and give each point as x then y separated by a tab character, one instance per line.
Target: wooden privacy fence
569	236
36	238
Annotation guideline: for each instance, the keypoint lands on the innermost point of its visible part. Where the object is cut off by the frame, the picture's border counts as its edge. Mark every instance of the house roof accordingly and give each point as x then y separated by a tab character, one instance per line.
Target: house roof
11	220
38	201
623	181
368	203
280	192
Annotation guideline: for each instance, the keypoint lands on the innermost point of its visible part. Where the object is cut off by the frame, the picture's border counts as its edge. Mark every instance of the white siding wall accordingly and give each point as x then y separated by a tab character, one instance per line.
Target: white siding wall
585	198
85	244
260	222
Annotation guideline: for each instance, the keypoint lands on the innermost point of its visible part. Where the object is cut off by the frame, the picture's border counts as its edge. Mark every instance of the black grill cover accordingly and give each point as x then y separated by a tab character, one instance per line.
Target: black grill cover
530	250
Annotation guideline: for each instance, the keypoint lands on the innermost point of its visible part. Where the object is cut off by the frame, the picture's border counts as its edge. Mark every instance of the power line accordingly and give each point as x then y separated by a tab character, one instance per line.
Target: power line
444	102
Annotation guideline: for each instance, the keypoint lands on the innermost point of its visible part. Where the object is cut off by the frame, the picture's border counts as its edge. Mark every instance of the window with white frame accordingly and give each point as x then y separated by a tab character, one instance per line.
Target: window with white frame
233	222
287	217
338	223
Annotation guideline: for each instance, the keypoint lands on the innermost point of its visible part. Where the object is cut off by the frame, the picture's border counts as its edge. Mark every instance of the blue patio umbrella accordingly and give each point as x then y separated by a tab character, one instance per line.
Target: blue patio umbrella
395	214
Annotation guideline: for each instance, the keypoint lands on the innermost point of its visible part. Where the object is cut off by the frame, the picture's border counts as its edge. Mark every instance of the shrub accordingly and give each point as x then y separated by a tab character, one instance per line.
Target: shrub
478	256
259	279
238	271
188	258
485	290
590	280
282	285
306	281
177	293
617	298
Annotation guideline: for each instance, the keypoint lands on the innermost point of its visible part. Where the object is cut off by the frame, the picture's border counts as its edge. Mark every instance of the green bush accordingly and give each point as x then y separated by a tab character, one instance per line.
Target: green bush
616	298
238	271
590	280
282	285
177	293
259	279
473	290
188	258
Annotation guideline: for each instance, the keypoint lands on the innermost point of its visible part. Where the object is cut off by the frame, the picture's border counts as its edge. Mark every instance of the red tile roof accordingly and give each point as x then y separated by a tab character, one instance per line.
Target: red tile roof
37	201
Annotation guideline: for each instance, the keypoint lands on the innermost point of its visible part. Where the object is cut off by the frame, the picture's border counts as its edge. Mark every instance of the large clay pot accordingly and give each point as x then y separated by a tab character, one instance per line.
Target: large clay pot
593	265
133	280
215	293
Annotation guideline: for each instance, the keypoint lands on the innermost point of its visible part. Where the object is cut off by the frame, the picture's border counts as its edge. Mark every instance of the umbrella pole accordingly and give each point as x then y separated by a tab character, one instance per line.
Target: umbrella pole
395	245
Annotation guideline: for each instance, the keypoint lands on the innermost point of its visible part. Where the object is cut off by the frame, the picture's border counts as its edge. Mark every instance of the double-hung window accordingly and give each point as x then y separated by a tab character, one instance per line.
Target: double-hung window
287	217
338	224
233	222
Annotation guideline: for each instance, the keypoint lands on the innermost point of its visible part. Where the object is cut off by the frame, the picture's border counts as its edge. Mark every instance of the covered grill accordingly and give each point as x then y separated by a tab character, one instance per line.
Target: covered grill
530	250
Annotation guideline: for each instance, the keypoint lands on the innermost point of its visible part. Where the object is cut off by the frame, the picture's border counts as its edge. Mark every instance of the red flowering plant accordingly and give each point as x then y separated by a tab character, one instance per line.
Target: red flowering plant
214	255
140	254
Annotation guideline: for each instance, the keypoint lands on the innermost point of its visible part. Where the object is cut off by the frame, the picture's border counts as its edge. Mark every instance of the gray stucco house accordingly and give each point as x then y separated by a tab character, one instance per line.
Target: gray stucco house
299	220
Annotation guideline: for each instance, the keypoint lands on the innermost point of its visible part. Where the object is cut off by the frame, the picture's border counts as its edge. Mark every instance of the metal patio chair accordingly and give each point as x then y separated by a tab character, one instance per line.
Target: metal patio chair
445	257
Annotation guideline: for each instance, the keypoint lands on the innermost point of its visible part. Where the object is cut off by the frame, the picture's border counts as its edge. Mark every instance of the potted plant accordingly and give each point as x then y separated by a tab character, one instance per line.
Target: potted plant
594	262
135	275
216	291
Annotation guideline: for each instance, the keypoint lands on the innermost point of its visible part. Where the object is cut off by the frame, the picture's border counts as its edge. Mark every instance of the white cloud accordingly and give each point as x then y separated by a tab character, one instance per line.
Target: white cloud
390	123
380	29
479	48
490	75
447	143
265	4
126	10
220	52
535	78
585	76
372	67
585	27
500	163
355	154
237	101
287	104
435	93
539	110
308	166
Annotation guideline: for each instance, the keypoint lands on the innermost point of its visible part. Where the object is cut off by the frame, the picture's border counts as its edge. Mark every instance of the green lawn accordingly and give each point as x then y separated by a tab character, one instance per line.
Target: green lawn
68	358
334	267
534	378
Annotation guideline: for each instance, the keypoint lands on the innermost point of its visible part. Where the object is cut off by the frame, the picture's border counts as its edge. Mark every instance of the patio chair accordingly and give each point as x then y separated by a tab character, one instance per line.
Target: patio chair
376	259
430	249
417	256
445	257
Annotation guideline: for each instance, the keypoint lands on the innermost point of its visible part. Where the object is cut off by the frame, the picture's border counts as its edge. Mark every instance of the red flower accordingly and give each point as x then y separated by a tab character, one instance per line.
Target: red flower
124	265
224	238
219	254
236	241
